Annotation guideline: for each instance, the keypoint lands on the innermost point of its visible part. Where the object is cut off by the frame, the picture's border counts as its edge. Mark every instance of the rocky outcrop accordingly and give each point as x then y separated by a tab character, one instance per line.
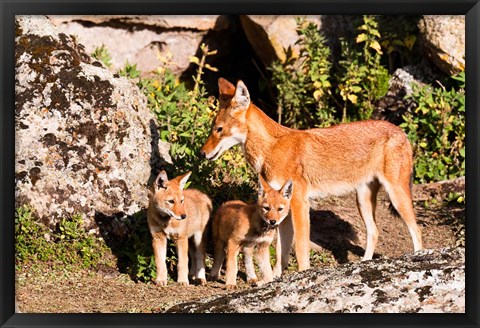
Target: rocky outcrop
149	41
270	35
426	281
396	103
443	41
85	140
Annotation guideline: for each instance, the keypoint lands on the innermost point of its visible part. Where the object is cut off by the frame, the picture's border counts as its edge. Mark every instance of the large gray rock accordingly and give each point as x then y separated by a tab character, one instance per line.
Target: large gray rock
443	41
85	140
149	41
426	281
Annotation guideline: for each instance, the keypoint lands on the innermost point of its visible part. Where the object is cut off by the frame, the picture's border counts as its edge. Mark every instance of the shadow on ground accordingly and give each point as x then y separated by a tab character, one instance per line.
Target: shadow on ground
331	232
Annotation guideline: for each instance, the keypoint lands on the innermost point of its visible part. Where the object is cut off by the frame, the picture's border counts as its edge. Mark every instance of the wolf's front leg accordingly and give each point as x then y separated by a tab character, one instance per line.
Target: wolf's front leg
199	250
283	246
218	258
263	257
300	212
249	267
182	265
232	269
159	244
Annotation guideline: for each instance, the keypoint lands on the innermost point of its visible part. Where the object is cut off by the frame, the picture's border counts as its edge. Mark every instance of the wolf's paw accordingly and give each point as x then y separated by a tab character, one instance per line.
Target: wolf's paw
160	283
277	273
252	281
212	278
201	281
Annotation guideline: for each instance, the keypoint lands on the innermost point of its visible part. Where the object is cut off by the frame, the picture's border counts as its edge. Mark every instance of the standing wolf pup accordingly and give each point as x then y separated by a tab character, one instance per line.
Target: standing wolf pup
179	215
237	225
359	156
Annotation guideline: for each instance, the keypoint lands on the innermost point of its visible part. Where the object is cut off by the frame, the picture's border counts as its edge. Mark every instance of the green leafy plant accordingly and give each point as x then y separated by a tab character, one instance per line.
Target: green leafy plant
437	131
30	242
67	245
101	53
399	40
303	80
362	79
135	254
184	117
130	71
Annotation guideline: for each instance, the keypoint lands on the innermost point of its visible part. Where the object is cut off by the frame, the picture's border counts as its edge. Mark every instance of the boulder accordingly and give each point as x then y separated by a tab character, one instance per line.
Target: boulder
426	281
85	140
443	41
396	103
269	35
149	41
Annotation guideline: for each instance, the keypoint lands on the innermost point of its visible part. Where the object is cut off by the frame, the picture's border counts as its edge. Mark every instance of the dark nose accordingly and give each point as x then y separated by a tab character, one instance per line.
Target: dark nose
273	222
202	153
183	216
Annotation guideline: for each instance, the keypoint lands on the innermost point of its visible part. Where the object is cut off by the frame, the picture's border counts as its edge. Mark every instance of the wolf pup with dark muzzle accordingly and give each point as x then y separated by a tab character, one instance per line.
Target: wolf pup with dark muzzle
237	226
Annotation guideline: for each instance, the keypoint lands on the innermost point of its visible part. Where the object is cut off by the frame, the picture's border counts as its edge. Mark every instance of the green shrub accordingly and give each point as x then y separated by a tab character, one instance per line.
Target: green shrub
135	255
303	82
399	40
66	245
437	131
30	242
362	79
184	117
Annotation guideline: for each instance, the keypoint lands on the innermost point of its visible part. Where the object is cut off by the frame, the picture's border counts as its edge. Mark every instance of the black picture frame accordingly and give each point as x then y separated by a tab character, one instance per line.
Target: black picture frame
10	8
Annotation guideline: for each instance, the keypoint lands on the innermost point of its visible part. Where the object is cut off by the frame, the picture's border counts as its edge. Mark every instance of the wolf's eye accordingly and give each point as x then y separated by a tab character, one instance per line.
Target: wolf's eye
219	129
182	200
280	209
171	201
266	208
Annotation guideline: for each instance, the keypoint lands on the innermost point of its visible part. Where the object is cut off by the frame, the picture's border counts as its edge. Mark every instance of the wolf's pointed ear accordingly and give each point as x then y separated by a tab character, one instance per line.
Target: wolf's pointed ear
287	189
242	96
262	186
225	88
161	180
183	179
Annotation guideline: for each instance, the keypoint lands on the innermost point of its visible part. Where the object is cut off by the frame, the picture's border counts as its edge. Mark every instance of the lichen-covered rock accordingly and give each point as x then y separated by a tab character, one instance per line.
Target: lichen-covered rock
85	140
443	41
149	41
426	281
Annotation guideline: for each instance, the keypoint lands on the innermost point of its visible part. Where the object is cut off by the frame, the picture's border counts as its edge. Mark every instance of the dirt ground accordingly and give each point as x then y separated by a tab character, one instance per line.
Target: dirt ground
337	234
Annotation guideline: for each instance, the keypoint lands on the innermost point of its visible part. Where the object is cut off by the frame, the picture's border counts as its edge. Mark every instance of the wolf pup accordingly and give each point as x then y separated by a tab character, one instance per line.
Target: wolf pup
357	156
179	215
237	225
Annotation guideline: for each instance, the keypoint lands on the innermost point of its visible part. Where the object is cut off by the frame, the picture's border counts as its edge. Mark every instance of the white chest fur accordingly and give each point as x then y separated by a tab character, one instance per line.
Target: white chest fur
171	232
267	238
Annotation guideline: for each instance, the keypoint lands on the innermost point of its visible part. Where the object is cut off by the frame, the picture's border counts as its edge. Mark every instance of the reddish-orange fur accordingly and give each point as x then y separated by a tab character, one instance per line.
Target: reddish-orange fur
358	156
237	225
180	215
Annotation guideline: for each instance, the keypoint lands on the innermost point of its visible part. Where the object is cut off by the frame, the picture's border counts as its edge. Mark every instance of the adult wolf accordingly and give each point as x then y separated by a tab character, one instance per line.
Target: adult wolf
359	156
